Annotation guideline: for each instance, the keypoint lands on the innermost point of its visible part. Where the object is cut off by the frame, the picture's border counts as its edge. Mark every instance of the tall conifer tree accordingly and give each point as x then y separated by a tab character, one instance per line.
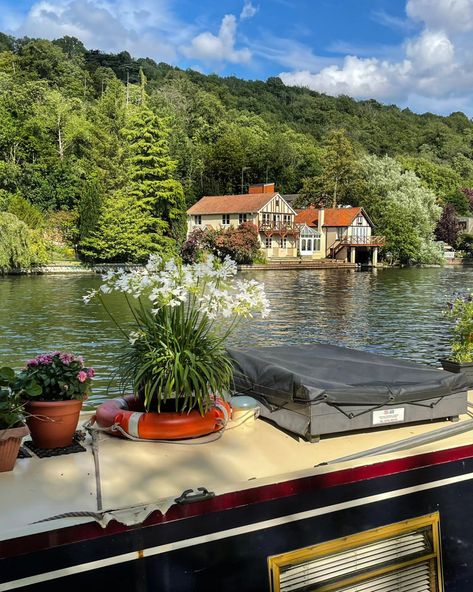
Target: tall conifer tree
152	172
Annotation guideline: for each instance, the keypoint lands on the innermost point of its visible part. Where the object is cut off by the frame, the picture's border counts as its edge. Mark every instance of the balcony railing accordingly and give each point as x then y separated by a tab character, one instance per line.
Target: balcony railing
278	227
363	241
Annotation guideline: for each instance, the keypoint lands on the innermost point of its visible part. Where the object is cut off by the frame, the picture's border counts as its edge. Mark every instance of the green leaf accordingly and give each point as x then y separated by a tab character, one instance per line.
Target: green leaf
7	375
32	389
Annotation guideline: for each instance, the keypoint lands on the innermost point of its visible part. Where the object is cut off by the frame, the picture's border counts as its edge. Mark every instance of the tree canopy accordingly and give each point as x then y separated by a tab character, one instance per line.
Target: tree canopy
82	131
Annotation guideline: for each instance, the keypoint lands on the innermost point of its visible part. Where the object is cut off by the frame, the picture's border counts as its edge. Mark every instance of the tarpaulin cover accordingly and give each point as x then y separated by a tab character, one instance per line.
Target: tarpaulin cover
334	375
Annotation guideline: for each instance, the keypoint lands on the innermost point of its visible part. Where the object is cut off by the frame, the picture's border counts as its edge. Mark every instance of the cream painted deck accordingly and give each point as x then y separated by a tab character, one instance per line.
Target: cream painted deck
137	473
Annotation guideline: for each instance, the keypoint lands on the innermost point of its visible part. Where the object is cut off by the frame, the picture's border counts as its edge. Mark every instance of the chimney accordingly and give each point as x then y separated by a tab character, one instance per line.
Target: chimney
261	188
321	219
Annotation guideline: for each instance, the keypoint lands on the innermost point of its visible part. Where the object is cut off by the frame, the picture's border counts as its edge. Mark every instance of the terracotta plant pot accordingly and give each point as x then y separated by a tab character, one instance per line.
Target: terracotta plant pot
10	441
53	423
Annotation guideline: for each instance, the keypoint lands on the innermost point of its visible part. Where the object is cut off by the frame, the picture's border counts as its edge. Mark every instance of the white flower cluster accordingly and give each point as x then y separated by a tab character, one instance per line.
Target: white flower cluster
208	287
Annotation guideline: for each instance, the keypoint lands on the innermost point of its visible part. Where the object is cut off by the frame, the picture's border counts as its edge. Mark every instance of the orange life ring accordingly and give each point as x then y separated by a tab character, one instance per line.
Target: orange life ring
128	413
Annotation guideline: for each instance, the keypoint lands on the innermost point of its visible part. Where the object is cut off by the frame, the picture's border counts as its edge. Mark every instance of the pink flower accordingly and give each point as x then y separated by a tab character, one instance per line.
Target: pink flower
44	359
33	362
66	358
82	376
90	372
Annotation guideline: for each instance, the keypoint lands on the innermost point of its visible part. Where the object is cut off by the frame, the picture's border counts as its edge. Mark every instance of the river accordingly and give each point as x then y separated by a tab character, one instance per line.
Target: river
398	312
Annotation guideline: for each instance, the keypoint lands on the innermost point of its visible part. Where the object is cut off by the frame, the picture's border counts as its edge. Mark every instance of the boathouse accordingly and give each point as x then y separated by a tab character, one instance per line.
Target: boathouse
344	233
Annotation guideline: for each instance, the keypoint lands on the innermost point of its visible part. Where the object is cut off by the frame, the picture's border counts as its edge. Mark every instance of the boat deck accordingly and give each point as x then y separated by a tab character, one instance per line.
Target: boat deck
134	474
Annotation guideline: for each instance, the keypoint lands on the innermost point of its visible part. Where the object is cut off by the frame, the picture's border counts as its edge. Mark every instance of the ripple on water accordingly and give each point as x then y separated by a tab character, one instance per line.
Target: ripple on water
398	312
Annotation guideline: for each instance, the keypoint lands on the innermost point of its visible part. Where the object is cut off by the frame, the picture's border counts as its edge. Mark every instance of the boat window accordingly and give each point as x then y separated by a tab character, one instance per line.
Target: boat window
400	557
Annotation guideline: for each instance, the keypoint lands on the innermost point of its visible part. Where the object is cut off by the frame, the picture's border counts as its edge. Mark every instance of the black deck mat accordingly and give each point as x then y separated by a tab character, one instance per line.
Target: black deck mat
49	452
22	453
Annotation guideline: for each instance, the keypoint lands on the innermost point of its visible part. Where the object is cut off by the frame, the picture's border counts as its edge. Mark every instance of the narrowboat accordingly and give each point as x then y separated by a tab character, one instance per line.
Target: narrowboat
370	495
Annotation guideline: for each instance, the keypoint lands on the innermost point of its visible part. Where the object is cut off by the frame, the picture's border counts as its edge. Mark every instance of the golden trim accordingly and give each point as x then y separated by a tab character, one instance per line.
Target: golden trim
430	521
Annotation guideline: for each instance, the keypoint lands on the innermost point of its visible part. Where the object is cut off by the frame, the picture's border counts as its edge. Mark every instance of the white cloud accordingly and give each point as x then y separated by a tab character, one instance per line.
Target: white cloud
448	15
248	10
431	49
357	77
125	24
287	52
218	48
433	68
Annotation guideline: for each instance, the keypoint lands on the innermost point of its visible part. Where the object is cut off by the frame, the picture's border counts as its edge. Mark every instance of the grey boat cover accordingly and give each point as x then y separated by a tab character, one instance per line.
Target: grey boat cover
319	373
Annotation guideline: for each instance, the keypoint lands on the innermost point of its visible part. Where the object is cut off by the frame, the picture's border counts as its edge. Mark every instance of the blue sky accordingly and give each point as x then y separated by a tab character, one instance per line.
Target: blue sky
414	53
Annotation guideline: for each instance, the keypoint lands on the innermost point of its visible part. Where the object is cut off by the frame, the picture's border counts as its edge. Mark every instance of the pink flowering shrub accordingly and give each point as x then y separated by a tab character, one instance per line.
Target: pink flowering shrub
61	376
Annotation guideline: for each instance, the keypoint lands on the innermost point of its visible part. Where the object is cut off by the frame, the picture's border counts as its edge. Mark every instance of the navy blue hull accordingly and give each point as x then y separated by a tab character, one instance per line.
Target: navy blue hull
244	537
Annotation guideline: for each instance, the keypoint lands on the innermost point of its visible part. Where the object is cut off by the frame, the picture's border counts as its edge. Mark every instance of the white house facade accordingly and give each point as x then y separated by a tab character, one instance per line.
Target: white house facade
262	206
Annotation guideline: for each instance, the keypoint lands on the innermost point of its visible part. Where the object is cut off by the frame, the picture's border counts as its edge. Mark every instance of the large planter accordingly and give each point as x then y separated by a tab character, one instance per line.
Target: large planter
466	368
10	441
53	423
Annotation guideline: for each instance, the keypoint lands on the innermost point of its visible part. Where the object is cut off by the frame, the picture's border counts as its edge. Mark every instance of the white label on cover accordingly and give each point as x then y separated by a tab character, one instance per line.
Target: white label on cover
388	416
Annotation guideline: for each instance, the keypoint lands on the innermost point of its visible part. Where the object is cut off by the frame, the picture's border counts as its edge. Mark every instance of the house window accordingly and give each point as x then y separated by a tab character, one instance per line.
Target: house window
198	220
359	220
340	232
276	217
317	244
401	556
287	218
242	218
277	203
283	242
265	218
267	242
225	219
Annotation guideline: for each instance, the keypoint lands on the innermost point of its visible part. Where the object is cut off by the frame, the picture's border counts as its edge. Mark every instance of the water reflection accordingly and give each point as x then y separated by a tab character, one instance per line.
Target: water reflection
395	312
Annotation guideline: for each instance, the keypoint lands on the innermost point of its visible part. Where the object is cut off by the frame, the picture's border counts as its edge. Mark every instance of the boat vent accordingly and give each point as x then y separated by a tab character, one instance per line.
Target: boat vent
339	566
400	557
411	579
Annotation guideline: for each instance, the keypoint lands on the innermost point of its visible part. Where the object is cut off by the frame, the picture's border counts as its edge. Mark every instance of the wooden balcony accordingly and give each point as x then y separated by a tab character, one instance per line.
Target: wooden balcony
362	241
280	228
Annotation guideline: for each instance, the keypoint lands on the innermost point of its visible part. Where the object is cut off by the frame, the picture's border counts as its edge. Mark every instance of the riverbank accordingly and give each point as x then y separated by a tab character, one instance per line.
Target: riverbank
77	267
74	267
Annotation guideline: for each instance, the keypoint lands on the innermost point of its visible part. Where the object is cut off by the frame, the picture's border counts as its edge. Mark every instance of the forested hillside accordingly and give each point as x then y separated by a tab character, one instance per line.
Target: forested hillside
103	152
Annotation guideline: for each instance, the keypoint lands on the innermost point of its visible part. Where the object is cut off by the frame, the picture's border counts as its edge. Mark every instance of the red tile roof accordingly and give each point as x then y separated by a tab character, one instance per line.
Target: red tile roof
231	204
332	216
308	216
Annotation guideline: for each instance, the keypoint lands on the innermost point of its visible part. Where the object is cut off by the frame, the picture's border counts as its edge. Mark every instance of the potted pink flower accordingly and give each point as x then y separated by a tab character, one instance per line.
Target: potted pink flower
53	413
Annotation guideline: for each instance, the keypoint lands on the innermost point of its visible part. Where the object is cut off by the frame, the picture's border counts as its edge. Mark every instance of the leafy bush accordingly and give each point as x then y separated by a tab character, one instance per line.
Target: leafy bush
465	243
11	403
460	311
240	244
20	246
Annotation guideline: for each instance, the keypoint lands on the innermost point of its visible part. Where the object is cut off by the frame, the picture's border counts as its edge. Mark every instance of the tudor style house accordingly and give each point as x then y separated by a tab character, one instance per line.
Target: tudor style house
343	233
262	206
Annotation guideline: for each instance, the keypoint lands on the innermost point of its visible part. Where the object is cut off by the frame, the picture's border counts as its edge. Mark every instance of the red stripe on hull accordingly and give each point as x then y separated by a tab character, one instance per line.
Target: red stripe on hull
73	534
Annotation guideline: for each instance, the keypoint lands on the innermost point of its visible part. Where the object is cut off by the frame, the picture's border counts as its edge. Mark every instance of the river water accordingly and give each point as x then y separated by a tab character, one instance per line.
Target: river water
397	312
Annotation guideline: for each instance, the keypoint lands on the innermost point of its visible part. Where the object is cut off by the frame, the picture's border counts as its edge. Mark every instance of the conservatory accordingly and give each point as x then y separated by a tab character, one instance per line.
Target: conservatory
309	241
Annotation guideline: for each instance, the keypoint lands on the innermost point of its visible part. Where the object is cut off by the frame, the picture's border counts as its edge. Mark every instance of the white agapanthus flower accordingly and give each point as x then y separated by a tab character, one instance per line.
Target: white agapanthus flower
209	287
